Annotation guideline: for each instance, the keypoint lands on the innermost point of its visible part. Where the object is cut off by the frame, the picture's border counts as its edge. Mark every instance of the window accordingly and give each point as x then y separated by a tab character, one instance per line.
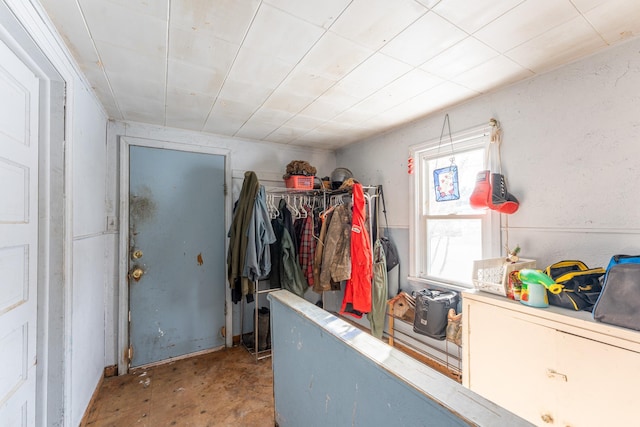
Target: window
448	235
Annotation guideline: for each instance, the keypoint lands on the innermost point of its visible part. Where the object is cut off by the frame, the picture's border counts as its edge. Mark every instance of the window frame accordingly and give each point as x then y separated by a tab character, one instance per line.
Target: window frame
466	140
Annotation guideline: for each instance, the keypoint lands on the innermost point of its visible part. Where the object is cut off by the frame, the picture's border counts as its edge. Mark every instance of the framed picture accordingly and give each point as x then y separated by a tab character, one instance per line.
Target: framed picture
445	181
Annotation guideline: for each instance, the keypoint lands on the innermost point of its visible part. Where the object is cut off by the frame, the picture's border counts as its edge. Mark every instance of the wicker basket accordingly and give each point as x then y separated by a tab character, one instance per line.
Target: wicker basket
491	275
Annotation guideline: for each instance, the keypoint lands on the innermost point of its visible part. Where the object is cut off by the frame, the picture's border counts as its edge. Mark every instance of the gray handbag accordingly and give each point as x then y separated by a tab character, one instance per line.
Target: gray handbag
619	301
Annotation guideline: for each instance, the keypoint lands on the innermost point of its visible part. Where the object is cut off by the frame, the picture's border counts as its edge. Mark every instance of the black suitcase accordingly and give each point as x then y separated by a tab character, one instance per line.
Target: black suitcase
432	307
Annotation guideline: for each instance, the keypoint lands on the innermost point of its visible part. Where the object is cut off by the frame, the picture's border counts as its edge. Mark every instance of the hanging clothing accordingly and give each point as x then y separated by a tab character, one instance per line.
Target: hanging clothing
276	254
357	293
285	272
307	246
287	220
336	255
238	238
260	235
378	291
324	218
291	277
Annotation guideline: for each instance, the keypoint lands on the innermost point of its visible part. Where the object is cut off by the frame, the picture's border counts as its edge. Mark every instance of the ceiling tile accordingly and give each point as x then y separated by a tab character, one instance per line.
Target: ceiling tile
286	134
192	78
560	45
255	130
329	72
156	9
281	35
258	69
334	57
201	48
99	84
250	95
459	58
188	109
302	121
320	13
398	91
306	83
227	116
70	25
326	139
288	101
428	3
226	19
374	73
139	32
439	97
373	23
131	64
330	105
586	5
424	39
524	22
150	89
336	128
141	109
473	15
352	117
319	139
616	19
496	71
262	123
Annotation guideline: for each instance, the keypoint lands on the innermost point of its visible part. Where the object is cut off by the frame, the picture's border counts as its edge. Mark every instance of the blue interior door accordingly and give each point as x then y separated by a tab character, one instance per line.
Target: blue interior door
176	253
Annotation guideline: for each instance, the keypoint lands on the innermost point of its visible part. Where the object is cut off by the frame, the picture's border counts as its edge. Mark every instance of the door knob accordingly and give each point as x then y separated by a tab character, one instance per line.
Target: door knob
137	254
137	273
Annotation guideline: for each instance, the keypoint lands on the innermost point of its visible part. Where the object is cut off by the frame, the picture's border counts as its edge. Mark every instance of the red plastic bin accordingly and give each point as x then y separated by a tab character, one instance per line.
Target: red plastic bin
299	182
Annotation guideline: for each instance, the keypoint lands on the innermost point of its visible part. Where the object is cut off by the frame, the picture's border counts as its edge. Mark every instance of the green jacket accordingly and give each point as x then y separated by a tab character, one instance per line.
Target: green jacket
238	239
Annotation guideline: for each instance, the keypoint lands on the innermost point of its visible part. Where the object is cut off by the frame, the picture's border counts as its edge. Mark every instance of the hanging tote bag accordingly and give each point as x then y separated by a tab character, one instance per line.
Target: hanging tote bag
390	251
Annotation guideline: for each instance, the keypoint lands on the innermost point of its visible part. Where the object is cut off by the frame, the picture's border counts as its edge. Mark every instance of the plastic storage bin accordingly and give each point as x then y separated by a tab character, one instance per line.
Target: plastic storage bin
299	182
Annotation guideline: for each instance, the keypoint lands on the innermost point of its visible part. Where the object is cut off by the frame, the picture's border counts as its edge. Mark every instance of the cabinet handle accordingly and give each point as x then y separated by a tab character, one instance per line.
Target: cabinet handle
553	374
547	418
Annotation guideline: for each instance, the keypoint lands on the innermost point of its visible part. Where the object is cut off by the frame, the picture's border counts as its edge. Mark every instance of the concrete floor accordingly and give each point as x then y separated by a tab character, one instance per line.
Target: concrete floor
224	388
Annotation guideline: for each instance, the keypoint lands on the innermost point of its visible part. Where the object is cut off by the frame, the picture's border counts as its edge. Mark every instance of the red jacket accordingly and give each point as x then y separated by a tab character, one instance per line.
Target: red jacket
357	293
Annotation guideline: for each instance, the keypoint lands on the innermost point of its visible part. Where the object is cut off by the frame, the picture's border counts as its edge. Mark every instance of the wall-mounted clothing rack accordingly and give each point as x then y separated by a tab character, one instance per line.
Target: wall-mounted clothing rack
298	205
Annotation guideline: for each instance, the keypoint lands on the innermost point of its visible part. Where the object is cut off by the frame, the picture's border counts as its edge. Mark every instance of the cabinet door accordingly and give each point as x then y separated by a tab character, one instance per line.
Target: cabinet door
601	383
509	360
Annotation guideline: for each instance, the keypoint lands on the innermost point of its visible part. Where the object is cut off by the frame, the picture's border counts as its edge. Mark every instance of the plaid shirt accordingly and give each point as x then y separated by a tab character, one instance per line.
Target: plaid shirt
307	249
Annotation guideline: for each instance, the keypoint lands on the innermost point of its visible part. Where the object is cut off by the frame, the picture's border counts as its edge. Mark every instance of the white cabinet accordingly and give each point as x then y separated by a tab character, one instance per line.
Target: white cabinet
551	366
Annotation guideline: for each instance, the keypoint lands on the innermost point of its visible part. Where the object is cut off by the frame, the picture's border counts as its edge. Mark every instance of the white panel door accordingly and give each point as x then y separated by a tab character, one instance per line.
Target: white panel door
18	239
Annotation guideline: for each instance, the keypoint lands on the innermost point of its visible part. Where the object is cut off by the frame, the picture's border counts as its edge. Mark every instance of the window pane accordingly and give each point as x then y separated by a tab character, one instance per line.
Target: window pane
469	163
453	245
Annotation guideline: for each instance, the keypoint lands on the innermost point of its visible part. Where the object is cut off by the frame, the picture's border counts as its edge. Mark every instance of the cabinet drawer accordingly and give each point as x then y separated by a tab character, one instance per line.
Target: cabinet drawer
546	373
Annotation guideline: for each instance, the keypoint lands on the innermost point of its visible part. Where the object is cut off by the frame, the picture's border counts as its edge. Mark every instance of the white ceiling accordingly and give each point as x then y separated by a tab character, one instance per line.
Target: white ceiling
320	73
